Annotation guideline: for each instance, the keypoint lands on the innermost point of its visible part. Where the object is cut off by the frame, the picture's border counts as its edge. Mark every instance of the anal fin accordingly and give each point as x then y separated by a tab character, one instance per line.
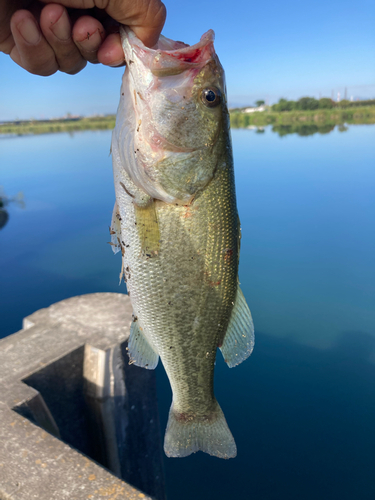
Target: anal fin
238	342
140	351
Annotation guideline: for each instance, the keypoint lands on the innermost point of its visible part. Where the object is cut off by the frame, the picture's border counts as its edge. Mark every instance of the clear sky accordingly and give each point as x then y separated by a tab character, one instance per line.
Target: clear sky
269	49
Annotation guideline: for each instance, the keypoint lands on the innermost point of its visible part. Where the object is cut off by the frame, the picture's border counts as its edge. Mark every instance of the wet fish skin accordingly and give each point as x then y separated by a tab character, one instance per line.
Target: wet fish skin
176	223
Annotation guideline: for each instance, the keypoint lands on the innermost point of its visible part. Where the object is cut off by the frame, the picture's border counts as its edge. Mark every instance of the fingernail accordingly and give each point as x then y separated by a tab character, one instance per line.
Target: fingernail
29	31
61	29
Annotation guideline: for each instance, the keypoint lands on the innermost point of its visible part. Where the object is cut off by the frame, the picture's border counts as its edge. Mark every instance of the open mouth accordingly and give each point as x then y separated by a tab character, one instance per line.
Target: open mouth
171	57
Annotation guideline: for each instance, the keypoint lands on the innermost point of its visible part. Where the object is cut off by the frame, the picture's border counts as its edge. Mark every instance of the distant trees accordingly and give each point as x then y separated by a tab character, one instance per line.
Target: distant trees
303	104
326	103
284	105
259	103
306	103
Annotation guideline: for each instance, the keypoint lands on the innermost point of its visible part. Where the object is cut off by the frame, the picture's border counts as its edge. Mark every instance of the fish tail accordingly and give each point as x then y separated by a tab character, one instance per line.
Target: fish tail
186	434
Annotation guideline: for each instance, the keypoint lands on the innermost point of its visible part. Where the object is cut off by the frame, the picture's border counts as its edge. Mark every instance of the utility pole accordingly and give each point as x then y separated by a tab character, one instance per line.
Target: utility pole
346	93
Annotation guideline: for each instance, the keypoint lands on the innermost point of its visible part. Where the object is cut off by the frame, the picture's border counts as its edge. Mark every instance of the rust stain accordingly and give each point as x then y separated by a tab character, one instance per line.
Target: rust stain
92	477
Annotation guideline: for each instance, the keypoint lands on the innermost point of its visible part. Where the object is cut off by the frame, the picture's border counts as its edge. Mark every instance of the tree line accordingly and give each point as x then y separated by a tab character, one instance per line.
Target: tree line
310	103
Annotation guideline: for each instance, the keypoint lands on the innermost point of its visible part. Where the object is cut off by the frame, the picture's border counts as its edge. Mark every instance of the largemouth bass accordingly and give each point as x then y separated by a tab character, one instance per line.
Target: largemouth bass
175	221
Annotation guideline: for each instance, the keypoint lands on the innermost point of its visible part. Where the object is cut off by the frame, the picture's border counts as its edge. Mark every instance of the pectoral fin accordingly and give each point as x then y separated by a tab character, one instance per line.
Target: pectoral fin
140	351
115	230
239	339
148	229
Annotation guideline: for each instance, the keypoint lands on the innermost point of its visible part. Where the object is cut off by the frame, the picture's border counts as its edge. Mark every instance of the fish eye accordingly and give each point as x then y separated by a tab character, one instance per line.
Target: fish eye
211	97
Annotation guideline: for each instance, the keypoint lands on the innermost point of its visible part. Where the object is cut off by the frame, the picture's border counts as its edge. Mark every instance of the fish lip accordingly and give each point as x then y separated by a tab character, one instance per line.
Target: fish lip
162	61
206	38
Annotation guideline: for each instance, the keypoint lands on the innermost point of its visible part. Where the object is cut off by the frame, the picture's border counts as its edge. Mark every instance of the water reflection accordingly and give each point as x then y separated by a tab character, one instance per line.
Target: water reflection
4	217
301	129
4	201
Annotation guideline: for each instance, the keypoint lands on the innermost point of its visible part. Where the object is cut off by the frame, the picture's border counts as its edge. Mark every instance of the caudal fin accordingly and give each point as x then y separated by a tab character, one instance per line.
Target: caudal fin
186	435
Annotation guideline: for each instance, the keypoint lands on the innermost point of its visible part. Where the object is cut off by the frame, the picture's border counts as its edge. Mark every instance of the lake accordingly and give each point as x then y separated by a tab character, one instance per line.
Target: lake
302	407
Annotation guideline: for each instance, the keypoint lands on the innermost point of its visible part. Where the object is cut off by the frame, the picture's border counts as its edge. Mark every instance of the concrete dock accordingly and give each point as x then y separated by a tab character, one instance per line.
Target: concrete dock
76	420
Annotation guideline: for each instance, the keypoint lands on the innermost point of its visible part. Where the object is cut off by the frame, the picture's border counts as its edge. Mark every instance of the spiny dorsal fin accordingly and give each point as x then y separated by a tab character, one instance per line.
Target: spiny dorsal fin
238	342
140	351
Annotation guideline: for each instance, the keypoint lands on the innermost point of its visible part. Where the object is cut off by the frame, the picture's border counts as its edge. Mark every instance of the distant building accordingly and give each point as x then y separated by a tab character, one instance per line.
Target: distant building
254	110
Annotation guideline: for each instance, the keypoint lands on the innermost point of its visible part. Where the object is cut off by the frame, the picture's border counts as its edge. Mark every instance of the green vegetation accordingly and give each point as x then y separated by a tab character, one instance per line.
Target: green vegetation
305	116
61	125
322	118
310	103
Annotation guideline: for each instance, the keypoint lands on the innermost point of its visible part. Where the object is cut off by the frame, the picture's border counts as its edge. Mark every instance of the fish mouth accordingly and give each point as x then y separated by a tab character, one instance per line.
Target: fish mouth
170	57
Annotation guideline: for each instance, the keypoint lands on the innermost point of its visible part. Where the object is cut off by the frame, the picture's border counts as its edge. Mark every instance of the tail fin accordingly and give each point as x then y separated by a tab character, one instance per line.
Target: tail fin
186	435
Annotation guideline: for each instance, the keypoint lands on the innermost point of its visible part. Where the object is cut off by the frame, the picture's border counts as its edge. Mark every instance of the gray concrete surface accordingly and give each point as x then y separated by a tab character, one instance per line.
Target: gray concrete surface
76	420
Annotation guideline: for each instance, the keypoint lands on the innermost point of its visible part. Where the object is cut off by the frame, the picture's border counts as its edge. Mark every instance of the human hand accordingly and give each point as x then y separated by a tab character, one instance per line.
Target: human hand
62	35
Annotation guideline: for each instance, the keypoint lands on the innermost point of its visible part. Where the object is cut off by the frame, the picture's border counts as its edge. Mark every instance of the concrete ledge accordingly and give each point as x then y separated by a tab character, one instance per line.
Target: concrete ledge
69	401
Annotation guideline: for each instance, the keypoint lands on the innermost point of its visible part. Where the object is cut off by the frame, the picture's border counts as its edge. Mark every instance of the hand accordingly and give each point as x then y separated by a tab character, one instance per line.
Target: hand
64	34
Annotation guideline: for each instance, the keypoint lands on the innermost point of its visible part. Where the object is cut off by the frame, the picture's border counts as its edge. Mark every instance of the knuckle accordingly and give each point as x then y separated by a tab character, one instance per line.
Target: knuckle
42	68
73	70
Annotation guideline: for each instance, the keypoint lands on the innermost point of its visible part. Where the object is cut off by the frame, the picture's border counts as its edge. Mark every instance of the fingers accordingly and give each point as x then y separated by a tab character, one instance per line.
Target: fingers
88	35
56	28
145	17
50	44
54	45
111	52
148	27
31	50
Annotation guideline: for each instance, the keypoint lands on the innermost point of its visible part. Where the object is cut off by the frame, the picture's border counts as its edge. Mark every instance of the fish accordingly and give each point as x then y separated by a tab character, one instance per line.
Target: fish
176	224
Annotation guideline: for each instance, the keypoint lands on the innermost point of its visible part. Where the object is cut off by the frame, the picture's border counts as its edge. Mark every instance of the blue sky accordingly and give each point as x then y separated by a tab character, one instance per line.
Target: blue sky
269	49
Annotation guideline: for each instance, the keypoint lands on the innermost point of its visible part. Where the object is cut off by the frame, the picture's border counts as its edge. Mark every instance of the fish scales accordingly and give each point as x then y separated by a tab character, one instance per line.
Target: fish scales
180	256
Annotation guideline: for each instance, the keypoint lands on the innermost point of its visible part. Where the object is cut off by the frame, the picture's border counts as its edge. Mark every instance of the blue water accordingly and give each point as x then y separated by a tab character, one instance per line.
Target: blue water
302	408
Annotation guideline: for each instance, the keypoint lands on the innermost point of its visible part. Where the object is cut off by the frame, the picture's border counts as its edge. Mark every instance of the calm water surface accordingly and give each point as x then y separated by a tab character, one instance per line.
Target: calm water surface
302	408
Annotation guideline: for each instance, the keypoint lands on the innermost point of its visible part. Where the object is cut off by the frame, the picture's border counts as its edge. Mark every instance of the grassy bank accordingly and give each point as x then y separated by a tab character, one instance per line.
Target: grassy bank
323	117
52	126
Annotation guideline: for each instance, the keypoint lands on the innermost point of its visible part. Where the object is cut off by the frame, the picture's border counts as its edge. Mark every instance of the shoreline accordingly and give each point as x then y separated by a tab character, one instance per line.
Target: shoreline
322	119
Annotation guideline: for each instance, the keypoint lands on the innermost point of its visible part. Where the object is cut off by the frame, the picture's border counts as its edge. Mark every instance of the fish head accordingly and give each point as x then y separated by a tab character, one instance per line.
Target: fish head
174	109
